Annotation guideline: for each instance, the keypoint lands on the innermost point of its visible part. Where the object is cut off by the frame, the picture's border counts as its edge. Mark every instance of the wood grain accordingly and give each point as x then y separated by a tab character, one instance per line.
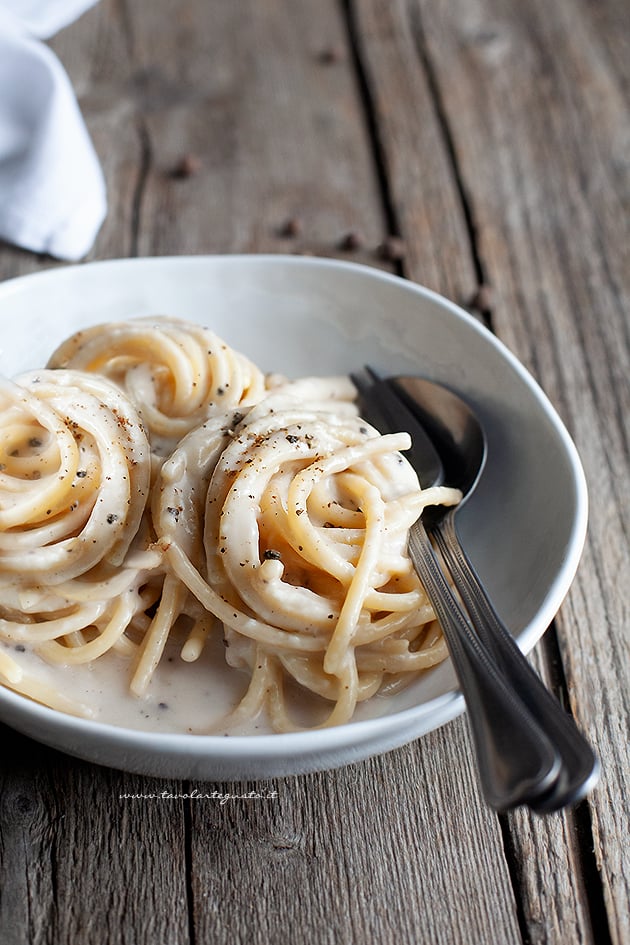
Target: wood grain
382	851
542	162
493	137
244	89
421	185
80	864
278	133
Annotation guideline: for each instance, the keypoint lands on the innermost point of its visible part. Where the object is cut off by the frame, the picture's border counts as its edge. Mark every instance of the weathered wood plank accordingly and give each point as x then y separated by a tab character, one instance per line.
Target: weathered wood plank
77	862
423	189
277	131
380	851
535	102
382	25
263	98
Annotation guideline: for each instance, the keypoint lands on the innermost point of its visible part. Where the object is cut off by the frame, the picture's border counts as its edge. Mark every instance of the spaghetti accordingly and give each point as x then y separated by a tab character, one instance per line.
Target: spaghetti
279	521
176	373
75	559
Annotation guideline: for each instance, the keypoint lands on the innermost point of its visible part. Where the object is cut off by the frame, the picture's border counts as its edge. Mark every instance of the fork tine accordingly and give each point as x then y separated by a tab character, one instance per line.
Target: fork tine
372	373
361	380
366	378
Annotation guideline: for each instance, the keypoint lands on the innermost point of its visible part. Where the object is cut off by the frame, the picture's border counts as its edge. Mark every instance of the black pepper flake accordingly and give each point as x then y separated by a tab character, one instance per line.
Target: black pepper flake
292	438
220	391
162	705
34	442
299	511
20	648
174	512
271	555
81	473
111	518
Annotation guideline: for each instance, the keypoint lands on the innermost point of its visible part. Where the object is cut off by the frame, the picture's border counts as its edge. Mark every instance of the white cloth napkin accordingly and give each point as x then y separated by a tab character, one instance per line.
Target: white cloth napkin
52	191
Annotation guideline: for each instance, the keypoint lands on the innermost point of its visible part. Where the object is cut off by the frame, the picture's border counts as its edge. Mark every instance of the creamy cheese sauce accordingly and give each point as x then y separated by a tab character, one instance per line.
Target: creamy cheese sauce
182	698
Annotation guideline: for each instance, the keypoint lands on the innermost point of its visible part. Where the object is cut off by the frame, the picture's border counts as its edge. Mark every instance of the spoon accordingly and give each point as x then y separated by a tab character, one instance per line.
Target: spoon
529	749
458	437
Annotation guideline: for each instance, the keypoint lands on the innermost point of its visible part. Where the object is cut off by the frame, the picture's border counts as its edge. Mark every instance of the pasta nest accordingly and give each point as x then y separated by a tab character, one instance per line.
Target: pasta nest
74	484
290	525
176	373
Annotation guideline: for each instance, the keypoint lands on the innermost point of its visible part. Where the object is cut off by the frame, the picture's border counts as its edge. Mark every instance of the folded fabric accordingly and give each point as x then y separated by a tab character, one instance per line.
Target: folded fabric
52	192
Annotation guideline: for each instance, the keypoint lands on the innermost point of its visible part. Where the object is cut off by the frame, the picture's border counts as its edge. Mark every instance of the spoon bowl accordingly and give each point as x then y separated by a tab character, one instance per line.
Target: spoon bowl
454	433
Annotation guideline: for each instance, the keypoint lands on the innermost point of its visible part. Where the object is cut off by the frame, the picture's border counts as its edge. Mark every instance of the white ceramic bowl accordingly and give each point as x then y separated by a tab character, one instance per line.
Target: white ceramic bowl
524	527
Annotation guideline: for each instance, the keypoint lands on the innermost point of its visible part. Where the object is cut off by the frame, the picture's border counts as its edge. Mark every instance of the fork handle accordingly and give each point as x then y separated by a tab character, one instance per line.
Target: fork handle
516	760
579	770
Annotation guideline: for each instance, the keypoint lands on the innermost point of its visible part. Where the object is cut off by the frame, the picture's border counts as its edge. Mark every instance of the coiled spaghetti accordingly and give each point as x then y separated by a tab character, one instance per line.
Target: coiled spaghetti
279	521
176	373
74	484
305	515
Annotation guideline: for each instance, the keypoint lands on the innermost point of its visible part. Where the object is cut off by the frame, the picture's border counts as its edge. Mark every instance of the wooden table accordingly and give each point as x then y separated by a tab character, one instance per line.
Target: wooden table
493	136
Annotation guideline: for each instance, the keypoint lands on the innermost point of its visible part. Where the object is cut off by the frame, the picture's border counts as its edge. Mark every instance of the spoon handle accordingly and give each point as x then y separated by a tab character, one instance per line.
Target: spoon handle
516	760
579	770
